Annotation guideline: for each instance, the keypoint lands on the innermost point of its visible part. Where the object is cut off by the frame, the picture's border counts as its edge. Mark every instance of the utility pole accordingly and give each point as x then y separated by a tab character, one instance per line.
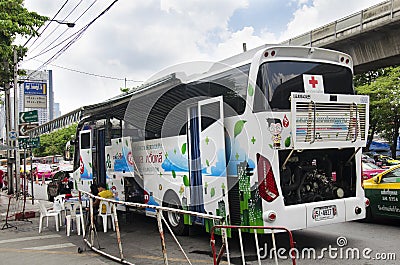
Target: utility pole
7	102
16	124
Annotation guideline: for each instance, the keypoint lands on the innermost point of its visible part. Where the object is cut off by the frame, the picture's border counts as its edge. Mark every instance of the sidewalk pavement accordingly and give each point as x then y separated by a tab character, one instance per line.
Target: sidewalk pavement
139	235
15	207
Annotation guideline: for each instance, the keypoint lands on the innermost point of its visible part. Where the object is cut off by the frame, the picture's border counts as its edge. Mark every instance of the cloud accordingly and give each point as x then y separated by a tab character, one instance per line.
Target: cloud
133	40
136	39
233	42
317	13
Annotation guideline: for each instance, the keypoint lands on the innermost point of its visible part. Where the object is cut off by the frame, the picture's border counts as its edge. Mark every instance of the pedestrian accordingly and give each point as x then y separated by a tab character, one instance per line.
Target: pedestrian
93	189
34	175
104	193
1	179
65	187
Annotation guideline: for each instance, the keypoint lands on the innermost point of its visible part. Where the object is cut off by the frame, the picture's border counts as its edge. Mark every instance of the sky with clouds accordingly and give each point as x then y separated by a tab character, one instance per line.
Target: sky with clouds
136	39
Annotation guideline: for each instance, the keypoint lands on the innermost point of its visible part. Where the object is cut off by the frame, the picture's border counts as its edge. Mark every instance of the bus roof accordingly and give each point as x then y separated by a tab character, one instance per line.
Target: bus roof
116	106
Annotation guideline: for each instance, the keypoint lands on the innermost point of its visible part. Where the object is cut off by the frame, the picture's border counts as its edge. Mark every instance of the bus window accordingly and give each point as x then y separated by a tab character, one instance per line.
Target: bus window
232	85
85	140
209	114
276	80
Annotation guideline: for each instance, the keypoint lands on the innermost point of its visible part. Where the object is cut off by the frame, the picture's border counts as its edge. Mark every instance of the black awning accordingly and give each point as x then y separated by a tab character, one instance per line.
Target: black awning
111	108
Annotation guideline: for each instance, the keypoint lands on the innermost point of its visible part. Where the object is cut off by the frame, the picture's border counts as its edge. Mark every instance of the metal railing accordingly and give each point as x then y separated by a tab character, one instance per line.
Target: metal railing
90	237
225	247
376	15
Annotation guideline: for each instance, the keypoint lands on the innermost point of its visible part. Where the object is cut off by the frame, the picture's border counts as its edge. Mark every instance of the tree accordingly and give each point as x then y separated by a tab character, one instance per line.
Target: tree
15	20
54	143
368	77
124	89
384	92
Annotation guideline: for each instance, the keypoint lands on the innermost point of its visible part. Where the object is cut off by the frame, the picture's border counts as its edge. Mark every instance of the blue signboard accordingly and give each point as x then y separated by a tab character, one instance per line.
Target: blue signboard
35	88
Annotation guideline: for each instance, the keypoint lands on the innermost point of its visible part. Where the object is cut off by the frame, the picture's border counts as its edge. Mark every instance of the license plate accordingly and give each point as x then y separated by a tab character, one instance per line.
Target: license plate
324	213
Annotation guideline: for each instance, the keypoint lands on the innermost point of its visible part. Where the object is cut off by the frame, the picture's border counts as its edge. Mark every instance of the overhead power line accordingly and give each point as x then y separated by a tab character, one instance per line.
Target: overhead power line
47	49
46	25
93	74
97	75
78	35
52	48
64	19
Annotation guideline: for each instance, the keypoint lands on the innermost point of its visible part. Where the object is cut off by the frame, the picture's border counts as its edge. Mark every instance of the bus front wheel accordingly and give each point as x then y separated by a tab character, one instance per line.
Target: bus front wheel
174	220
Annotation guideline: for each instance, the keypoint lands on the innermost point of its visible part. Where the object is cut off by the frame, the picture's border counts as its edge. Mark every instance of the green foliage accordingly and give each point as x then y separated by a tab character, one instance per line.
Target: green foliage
383	89
15	20
54	143
368	77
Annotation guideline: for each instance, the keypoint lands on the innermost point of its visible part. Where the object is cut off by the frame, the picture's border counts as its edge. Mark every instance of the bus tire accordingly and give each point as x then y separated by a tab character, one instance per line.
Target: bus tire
368	215
175	221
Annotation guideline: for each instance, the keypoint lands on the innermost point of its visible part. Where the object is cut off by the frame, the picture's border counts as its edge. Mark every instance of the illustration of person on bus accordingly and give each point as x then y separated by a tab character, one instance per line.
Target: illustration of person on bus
275	128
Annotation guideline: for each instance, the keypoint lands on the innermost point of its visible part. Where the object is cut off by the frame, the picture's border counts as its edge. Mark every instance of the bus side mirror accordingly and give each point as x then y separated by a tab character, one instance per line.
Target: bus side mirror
73	139
67	151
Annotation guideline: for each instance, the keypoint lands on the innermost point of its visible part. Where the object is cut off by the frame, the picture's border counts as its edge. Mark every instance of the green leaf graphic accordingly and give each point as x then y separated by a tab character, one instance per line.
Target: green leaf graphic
183	149
90	164
186	181
173	173
287	142
126	142
212	193
207	162
238	127
251	90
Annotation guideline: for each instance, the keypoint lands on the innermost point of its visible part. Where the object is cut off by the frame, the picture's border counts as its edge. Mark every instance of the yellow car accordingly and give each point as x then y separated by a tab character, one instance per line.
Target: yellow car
383	192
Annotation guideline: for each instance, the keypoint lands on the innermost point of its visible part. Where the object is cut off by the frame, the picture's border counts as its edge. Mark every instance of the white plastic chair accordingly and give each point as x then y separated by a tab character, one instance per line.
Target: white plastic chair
47	213
105	214
58	206
72	208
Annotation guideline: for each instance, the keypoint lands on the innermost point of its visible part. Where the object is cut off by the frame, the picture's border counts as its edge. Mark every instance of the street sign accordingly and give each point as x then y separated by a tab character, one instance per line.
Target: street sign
28	116
13	135
26	142
35	101
35	88
26	127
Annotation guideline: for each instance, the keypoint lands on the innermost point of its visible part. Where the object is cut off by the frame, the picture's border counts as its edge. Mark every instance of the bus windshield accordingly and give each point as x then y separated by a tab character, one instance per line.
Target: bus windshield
276	80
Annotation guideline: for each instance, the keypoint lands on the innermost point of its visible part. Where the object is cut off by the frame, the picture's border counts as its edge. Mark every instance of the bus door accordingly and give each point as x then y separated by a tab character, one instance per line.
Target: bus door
85	153
207	161
100	156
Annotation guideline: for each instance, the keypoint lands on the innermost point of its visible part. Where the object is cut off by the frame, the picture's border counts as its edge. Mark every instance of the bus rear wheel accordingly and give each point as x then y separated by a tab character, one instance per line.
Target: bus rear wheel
174	220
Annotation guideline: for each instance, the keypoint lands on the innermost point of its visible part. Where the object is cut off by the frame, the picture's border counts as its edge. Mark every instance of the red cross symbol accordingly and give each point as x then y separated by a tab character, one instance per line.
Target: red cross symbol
313	82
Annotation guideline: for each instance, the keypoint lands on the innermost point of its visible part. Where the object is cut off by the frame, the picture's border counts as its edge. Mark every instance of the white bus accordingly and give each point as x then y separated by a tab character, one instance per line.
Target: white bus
272	136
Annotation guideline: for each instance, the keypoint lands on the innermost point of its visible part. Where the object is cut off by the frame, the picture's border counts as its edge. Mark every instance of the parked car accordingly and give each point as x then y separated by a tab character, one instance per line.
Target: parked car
370	169
367	158
384	160
383	192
